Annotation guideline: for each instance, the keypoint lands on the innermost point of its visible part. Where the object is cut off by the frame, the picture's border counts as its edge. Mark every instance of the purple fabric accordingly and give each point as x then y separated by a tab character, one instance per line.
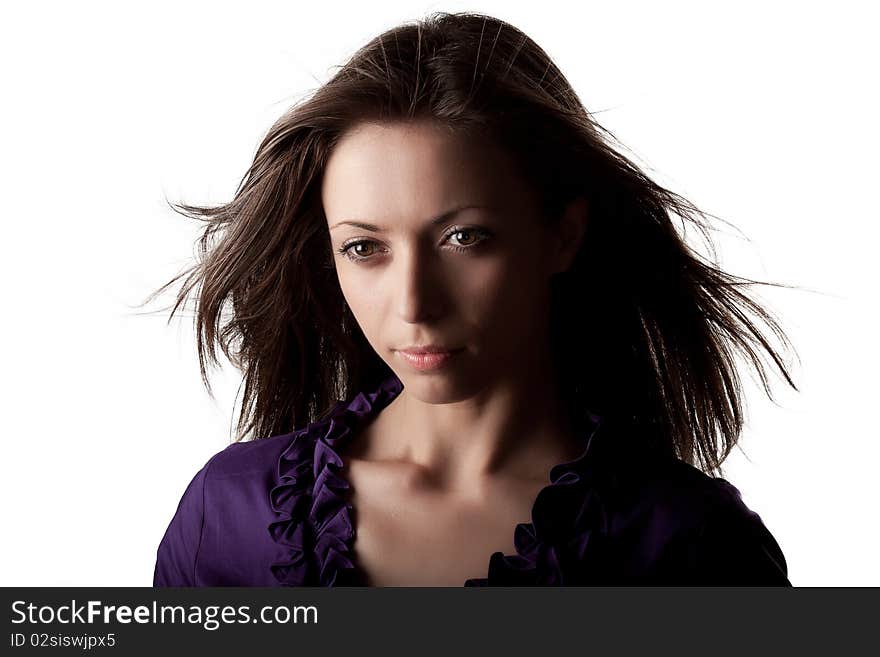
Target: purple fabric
273	512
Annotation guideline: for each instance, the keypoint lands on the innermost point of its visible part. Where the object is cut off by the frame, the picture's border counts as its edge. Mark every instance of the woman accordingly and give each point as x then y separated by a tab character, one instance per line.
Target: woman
446	285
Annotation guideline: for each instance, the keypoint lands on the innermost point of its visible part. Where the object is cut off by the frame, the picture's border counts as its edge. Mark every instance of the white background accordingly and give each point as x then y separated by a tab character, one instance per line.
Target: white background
762	113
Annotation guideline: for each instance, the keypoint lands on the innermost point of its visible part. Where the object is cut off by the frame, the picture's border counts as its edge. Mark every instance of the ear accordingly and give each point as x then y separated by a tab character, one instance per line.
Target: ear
570	233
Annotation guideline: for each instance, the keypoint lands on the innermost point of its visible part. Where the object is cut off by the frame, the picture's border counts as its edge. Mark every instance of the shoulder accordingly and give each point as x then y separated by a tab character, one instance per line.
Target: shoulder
243	466
690	498
254	459
223	515
679	492
239	480
697	529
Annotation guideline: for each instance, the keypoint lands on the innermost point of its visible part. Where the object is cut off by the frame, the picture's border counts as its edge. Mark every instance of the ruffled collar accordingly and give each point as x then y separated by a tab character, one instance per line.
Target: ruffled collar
314	527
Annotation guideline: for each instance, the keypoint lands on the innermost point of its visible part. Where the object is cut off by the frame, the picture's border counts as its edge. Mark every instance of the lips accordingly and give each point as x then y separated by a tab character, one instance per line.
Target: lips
427	358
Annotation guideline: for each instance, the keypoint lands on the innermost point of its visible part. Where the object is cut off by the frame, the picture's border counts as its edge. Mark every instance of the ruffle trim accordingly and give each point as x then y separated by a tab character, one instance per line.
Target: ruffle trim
314	525
569	519
314	520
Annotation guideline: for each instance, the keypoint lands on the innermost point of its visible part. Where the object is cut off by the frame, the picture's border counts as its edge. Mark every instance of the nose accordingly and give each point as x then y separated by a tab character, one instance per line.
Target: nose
419	285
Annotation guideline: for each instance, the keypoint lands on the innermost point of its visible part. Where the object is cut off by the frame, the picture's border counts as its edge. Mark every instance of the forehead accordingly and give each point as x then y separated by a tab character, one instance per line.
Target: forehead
392	172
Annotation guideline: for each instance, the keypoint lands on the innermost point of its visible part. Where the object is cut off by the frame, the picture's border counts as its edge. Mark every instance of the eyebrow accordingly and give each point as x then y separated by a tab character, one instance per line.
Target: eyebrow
439	219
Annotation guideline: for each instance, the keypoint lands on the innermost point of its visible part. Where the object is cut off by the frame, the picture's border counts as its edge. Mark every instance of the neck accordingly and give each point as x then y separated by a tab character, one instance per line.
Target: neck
517	427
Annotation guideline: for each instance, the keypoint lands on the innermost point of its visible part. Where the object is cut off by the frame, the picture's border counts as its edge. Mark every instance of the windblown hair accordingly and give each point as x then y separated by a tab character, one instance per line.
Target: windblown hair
648	329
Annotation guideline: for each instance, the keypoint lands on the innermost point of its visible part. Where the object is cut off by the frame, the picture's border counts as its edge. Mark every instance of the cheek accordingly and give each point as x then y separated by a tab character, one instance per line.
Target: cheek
502	297
362	298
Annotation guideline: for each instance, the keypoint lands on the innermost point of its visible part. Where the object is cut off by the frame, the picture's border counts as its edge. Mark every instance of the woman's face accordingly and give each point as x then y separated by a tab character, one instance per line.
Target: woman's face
437	241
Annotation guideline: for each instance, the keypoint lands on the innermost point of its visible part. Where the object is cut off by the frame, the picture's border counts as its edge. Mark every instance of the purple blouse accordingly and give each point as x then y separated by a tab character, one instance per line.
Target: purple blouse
274	512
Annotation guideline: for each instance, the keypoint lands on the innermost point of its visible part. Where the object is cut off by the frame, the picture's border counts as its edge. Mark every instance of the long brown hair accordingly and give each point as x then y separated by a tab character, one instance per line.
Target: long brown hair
648	328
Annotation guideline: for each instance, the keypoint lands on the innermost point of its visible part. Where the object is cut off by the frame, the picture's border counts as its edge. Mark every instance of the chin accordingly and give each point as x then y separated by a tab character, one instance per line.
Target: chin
437	387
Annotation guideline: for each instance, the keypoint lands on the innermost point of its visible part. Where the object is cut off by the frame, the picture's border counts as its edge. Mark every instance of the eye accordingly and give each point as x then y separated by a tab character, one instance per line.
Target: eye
362	249
358	250
467	238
